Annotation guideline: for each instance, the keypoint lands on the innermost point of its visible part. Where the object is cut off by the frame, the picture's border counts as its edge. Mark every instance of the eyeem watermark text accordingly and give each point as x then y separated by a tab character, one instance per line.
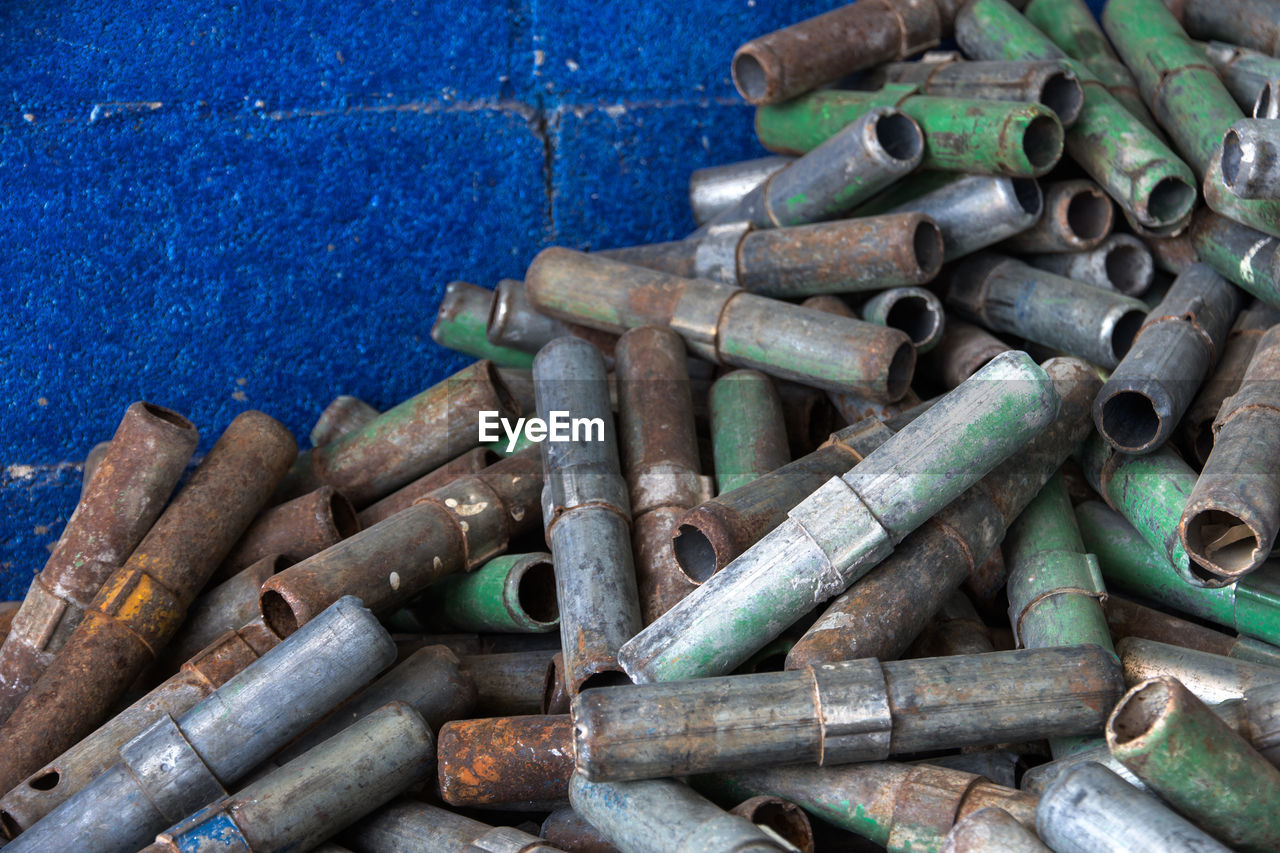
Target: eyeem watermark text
558	427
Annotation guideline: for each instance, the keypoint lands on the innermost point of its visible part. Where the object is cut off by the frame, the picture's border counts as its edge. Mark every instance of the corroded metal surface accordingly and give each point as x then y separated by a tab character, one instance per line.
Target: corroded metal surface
516	322
1046	82
1121	262
1262	214
472	462
508	683
294	530
344	414
142	604
991	829
973	211
515	593
1210	677
1251	159
570	831
1077	218
716	188
963	349
914	310
521	763
118	505
462	322
1251	23
224	607
401	827
457	527
748	433
956	629
785	818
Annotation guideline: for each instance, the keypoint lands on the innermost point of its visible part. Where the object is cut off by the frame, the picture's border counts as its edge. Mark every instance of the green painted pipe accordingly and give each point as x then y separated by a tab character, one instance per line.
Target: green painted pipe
1239	253
461	322
1074	29
1175	77
748	432
961	134
1150	491
1250	606
514	593
1132	164
1262	214
1190	757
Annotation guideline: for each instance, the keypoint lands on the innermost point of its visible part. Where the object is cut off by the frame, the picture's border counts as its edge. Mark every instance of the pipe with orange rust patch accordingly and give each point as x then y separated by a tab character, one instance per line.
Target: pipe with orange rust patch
724	324
406	441
848	255
841	713
118	505
513	763
294	530
659	445
456	528
141	606
586	513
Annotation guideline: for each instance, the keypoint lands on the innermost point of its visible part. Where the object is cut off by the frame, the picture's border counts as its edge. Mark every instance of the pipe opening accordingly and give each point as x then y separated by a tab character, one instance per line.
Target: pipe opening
1137	712
46	781
168	416
1265	106
1203	444
694	552
10	826
553	691
1089	215
785	819
277	613
1029	196
1223	540
750	77
1232	156
345	519
1170	200
926	243
899	136
608	678
536	592
1042	142
1129	420
1061	93
915	316
901	369
1129	269
1125	332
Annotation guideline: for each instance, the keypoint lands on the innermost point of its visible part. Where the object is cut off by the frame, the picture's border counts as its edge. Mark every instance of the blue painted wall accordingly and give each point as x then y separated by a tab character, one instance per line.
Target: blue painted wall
256	205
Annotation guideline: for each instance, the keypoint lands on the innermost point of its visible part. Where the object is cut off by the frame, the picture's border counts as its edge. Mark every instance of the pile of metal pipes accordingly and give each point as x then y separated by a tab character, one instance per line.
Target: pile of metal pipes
923	498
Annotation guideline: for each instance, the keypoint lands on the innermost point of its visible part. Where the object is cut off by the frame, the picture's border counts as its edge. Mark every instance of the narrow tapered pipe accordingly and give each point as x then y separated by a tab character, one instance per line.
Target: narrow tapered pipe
344	414
960	135
224	607
1251	159
1152	386
843	712
1251	23
1048	82
725	324
141	605
991	829
1233	514
515	322
748	434
914	310
1121	263
962	350
1246	73
1151	493
717	188
780	65
976	211
1195	435
1074	29
294	530
1196	763
1213	678
587	516
713	534
119	504
664	816
659	447
848	525
1129	161
1261	214
406	441
514	593
472	462
1174	76
306	800
461	325
1007	295
64	776
456	528
178	764
881	614
412	827
866	253
834	175
518	763
1078	216
1129	563
1090	809
902	807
